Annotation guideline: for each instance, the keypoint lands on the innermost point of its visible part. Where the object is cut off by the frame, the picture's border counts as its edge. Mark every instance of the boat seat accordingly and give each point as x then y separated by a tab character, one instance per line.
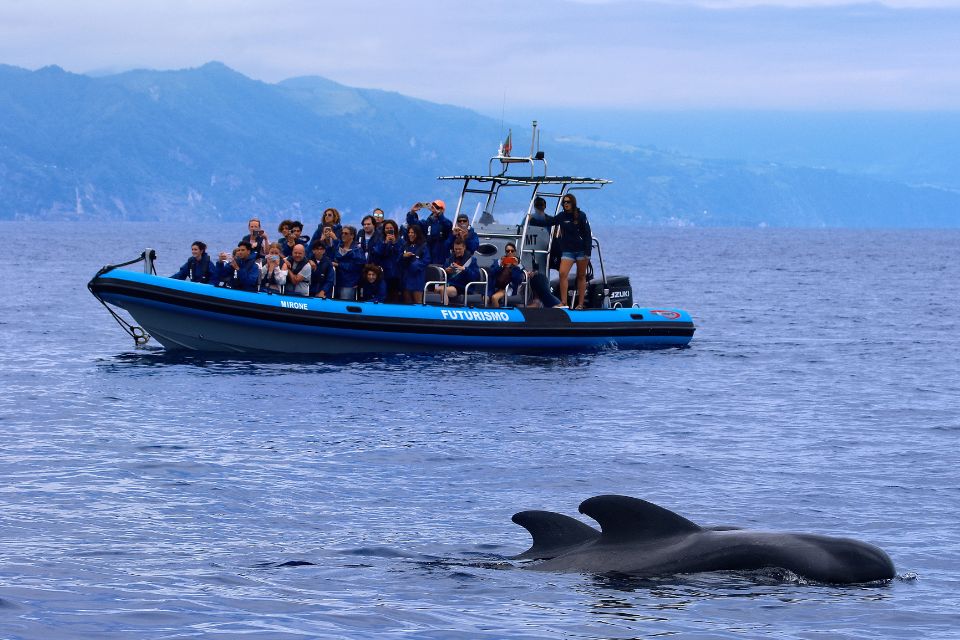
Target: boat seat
432	298
437	276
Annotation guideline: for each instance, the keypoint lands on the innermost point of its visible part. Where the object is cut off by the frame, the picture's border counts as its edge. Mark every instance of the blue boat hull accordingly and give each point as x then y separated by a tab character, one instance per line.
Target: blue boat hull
189	316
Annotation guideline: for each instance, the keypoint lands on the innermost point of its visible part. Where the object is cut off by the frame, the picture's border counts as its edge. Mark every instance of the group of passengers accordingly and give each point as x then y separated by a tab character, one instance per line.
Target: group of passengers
387	262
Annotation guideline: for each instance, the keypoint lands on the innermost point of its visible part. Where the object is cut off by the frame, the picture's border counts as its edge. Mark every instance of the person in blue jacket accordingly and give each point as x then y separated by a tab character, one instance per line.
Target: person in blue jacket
436	226
348	259
240	271
330	218
220	271
259	243
378	218
369	236
323	274
414	259
575	244
372	286
505	272
386	254
462	269
293	238
462	232
197	267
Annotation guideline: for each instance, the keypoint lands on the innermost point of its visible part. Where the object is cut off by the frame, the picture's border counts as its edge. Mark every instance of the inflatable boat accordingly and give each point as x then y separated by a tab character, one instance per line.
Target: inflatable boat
183	315
199	317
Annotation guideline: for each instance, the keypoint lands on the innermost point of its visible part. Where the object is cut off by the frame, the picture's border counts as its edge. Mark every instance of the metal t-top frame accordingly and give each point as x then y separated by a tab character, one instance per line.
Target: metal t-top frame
550	188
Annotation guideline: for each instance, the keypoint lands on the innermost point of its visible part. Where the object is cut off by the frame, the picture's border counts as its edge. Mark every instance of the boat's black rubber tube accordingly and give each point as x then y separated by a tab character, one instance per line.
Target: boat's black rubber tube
539	322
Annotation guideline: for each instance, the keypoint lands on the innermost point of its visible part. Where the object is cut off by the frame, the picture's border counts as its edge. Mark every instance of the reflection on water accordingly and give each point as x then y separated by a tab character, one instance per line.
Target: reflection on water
156	356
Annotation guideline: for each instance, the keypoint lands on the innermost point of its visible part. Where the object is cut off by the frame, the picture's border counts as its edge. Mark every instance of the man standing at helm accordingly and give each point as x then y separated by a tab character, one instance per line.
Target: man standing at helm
436	227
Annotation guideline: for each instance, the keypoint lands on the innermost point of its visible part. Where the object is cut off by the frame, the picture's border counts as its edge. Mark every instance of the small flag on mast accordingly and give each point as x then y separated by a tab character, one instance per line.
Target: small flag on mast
507	145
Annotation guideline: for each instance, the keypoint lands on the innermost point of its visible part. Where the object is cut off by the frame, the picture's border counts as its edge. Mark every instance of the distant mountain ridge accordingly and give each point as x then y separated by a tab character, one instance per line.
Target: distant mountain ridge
211	143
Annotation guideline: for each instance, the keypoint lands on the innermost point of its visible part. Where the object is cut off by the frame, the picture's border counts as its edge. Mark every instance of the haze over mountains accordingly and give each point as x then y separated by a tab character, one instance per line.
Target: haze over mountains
211	143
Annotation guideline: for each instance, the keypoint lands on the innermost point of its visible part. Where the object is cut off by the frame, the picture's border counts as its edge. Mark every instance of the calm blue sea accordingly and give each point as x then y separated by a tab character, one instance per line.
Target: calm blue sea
146	495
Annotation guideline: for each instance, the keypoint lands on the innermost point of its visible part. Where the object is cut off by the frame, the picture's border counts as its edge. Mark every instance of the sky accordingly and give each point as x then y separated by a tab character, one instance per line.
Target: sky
491	55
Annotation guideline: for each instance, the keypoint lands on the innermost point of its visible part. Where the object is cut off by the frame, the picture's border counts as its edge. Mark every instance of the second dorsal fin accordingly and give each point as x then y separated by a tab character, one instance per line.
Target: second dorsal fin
553	533
624	519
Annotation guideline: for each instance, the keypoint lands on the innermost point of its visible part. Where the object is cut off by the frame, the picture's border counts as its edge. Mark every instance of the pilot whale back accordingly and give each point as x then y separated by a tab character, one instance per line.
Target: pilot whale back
640	538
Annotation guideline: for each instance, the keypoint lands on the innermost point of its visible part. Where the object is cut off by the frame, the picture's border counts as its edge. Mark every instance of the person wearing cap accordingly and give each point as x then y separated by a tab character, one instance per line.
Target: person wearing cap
436	227
462	232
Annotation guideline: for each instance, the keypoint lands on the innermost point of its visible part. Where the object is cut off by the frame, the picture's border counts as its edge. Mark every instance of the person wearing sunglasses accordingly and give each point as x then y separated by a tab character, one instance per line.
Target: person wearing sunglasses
378	218
576	244
330	218
462	232
505	272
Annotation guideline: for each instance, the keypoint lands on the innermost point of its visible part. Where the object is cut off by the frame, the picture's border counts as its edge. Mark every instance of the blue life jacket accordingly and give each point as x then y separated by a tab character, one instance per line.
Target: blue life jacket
373	292
413	270
349	265
195	271
322	278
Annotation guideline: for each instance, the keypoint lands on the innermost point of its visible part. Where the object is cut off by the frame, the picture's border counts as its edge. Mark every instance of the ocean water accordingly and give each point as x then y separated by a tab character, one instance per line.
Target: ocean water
147	495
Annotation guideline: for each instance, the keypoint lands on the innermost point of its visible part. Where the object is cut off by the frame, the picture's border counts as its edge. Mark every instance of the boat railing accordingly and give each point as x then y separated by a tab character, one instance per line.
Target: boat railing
440	275
437	272
525	285
603	272
595	243
484	283
506	160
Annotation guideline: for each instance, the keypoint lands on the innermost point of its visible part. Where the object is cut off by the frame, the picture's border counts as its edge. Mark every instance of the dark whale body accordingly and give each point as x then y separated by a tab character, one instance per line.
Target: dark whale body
642	539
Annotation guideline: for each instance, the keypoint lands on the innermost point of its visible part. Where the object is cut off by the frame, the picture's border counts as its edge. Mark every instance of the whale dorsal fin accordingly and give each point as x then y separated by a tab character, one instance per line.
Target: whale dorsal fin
630	519
553	533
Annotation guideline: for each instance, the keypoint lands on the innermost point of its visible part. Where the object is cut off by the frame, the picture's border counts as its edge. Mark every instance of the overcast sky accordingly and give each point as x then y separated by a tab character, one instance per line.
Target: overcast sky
813	54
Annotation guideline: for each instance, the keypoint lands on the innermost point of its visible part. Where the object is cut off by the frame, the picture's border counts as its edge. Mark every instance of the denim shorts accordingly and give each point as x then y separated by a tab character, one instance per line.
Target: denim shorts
573	255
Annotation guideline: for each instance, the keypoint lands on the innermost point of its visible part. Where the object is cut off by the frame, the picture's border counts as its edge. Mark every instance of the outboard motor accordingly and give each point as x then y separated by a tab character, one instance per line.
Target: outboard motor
618	292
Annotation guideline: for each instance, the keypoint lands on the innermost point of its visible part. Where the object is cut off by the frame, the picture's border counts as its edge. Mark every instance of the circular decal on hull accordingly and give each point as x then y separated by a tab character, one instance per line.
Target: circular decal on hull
663	313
